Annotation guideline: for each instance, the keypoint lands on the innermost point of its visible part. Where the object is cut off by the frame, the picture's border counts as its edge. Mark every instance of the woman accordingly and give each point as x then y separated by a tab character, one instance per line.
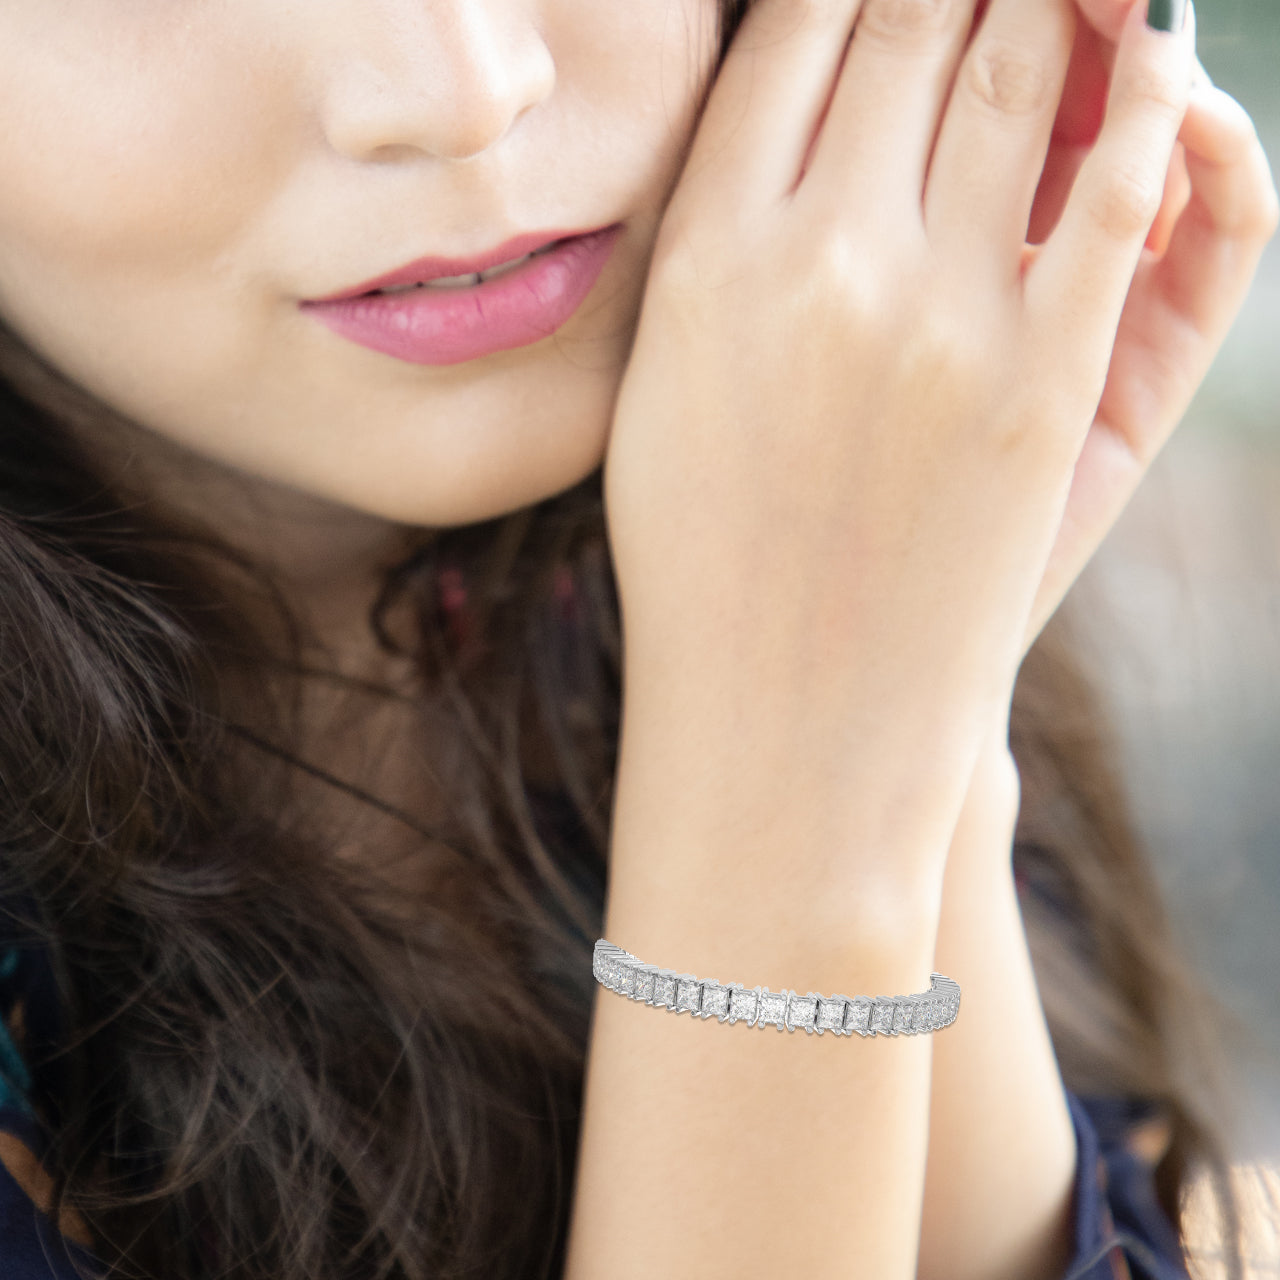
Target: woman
840	326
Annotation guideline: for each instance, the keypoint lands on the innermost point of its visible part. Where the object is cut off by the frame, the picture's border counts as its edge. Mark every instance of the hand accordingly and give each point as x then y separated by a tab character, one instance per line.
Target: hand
1219	211
844	443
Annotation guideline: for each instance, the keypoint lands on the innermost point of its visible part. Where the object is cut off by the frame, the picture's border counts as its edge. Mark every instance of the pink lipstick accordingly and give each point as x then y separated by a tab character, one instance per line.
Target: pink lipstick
439	311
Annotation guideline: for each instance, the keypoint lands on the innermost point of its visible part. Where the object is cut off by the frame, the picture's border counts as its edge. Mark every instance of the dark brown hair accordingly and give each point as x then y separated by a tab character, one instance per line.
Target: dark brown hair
270	1068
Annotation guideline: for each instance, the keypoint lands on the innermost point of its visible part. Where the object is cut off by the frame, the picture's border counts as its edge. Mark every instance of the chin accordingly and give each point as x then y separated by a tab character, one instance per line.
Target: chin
473	488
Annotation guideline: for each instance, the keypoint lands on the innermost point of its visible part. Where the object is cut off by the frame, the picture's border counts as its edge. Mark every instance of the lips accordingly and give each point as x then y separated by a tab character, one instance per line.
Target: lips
458	320
424	270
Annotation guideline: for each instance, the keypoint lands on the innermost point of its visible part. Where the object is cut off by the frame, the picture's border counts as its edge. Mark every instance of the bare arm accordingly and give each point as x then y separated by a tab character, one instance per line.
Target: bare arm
837	464
999	1187
998	1195
713	1150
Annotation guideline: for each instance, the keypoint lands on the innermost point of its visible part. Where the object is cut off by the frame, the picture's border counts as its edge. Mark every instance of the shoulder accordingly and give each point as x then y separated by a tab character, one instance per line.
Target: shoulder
1122	1232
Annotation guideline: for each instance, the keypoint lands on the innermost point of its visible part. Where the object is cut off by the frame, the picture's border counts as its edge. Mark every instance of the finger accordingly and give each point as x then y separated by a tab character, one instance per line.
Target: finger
885	110
767	100
1231	214
1182	305
1083	272
995	136
1169	333
1177	194
1084	102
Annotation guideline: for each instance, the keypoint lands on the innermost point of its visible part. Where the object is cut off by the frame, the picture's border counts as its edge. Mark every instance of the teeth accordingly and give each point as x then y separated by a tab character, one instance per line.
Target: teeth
503	268
462	282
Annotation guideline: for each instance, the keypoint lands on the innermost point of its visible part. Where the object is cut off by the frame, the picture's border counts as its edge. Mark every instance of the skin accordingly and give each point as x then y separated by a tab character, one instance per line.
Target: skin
185	174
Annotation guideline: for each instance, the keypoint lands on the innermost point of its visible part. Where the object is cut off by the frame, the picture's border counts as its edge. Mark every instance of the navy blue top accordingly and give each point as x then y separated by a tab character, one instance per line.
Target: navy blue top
1117	1215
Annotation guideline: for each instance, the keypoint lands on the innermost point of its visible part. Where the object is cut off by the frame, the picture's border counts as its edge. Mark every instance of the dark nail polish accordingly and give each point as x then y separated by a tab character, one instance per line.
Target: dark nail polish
1166	15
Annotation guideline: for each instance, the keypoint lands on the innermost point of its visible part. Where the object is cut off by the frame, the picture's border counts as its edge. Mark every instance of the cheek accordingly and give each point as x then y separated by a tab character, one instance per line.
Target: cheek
632	76
137	150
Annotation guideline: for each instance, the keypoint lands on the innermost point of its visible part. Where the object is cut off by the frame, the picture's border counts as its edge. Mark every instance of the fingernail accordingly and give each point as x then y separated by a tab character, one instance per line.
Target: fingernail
1166	15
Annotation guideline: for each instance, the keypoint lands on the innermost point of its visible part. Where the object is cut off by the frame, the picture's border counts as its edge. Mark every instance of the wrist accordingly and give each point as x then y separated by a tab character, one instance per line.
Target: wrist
831	805
982	841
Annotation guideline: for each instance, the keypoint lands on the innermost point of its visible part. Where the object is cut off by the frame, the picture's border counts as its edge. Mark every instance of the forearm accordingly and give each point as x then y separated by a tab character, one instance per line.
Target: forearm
713	1150
998	1202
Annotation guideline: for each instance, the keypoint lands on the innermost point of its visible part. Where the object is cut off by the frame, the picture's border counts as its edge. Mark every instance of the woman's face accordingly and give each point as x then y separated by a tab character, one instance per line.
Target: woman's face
179	175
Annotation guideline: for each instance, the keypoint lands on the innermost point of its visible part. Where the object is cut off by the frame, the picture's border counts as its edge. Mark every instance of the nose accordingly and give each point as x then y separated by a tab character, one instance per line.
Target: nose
448	78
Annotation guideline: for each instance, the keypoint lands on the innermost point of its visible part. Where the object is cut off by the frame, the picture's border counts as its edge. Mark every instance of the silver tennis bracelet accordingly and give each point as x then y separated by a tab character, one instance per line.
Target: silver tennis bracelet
622	972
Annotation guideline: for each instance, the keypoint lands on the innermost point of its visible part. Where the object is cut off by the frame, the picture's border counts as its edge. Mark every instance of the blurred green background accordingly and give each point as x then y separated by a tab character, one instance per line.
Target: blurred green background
1239	43
1181	608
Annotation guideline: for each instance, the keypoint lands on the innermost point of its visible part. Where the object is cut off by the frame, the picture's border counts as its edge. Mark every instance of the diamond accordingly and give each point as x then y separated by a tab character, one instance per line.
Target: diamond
664	989
902	1014
742	1003
830	1016
688	994
802	1010
644	982
715	1000
773	1008
882	1015
627	980
857	1016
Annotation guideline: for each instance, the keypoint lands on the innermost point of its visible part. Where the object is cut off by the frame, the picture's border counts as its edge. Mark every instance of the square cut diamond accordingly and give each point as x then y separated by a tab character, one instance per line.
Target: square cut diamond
688	995
801	1010
664	989
773	1008
742	1003
902	1015
882	1015
857	1015
830	1016
627	980
715	1000
644	982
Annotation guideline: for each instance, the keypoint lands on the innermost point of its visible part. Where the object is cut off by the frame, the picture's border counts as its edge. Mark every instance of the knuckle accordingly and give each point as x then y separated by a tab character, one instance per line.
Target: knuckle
1009	78
1126	202
1154	92
841	276
903	22
947	355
